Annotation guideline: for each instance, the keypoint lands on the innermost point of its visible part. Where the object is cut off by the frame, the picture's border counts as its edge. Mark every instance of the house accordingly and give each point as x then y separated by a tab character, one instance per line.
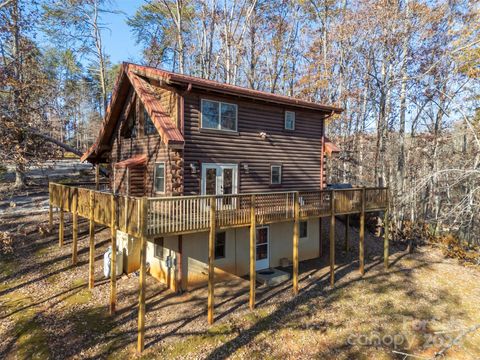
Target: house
172	135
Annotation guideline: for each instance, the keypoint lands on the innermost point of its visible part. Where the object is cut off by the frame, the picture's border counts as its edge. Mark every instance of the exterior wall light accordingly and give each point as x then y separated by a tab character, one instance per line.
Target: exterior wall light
193	168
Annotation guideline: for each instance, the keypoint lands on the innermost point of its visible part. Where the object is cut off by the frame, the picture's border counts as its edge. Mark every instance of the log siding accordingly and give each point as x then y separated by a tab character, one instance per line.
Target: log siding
297	151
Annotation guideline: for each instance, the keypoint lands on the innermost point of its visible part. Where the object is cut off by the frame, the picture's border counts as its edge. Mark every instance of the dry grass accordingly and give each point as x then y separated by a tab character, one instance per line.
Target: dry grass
418	306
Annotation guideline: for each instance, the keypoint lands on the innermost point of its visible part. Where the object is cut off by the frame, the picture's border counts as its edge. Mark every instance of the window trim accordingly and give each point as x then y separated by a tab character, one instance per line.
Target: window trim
224	246
285	120
299	233
219	116
271	174
155	177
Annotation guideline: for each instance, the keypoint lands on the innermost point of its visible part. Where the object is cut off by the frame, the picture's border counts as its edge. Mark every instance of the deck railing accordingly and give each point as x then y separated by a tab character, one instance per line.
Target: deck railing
187	214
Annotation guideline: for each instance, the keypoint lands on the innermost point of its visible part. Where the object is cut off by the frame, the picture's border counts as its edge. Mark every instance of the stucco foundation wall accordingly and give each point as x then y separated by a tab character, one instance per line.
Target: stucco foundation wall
236	261
158	267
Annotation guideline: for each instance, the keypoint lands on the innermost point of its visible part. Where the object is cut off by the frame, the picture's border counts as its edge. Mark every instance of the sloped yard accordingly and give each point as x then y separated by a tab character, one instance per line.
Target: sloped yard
420	306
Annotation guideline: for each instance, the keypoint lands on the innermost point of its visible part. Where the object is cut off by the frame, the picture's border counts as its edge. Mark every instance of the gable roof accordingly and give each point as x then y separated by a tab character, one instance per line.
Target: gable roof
135	75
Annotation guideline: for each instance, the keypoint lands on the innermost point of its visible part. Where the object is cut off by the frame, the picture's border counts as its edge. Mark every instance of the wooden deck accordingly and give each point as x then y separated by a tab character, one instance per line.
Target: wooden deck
151	217
189	214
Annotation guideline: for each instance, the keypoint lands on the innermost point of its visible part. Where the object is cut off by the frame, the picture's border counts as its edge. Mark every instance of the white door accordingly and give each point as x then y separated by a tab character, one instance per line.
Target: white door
219	179
262	248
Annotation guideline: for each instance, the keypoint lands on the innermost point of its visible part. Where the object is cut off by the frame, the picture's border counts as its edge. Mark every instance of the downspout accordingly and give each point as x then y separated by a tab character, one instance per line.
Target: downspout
322	151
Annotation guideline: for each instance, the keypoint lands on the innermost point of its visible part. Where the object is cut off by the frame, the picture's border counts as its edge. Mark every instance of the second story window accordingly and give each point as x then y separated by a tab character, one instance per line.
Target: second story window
148	126
289	120
219	115
160	177
276	174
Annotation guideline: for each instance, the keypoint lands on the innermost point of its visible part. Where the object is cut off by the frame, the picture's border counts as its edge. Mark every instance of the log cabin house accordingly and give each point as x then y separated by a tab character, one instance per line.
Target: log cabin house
167	134
210	181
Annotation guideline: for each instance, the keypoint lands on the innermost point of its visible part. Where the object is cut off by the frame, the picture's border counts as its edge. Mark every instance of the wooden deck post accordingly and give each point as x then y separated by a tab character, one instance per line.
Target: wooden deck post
211	256
320	237
296	233
347	228
61	225
332	239
74	226
253	235
50	206
362	236
143	265
385	239
91	257
97	177
113	263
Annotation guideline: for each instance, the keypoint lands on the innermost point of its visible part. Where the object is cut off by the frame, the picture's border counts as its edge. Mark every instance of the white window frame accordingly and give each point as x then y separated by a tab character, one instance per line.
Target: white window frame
155	178
271	175
285	120
219	115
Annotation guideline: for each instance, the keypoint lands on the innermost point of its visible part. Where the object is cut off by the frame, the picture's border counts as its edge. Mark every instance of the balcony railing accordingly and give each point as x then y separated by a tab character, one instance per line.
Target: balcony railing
189	214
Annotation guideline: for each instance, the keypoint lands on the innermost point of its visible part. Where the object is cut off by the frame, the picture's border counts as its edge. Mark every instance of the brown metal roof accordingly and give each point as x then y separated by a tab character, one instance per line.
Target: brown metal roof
186	80
164	124
133	161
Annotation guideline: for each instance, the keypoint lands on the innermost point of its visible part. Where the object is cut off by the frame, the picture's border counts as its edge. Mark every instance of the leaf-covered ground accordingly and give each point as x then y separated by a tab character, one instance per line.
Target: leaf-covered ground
424	304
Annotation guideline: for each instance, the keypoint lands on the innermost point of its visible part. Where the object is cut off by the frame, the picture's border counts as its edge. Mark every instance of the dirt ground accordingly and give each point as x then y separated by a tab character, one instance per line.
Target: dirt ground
424	306
421	305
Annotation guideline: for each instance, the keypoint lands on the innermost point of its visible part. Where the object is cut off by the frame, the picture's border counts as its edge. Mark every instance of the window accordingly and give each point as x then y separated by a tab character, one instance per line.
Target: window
148	126
303	229
131	129
219	115
289	120
220	245
158	248
275	174
159	177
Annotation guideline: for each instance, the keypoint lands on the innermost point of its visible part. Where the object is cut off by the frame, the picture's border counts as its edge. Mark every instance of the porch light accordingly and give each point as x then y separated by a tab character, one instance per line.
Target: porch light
245	168
193	167
263	135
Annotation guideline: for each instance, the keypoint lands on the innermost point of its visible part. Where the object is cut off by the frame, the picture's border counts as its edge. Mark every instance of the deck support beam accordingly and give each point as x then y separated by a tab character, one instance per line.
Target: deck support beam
347	228
91	232
143	271
385	240
361	246
332	240
61	225
211	257
179	277
74	226
253	235
296	234
113	262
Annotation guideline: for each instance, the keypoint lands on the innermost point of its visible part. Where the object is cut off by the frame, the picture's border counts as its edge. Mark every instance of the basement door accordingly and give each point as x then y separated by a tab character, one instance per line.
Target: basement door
262	248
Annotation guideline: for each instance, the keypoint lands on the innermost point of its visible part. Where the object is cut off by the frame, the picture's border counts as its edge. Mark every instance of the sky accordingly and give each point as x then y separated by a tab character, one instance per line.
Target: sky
118	41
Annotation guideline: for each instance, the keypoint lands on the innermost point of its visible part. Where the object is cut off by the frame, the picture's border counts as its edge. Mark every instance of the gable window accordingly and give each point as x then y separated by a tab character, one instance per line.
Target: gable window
289	120
148	126
219	115
275	174
303	229
158	248
131	129
159	177
220	245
